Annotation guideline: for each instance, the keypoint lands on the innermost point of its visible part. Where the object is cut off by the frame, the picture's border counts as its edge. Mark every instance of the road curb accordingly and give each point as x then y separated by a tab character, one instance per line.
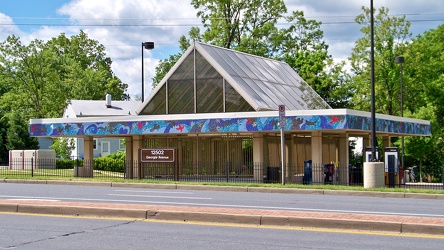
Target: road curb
211	217
81	211
413	228
205	217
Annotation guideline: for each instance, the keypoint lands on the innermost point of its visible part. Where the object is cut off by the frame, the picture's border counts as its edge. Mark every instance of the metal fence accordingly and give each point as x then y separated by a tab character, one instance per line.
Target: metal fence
316	174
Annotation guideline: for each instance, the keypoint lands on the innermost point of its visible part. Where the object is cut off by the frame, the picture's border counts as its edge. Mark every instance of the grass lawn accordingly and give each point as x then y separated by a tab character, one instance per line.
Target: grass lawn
107	176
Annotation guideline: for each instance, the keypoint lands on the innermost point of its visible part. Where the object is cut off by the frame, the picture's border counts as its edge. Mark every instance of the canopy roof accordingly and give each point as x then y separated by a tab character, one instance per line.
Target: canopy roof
210	79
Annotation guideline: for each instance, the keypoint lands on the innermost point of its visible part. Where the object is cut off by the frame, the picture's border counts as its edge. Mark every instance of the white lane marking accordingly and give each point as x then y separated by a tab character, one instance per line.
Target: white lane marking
148	191
31	199
158	196
226	205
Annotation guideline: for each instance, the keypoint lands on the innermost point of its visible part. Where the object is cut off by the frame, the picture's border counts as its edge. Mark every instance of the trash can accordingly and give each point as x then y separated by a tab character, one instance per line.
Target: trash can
273	175
307	179
328	173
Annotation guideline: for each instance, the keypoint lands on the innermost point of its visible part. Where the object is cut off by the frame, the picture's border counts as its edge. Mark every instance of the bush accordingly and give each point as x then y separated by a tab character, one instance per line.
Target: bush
68	164
113	162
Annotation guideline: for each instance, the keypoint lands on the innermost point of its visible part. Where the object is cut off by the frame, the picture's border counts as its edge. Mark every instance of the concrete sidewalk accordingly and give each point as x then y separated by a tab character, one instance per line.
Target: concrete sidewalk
351	221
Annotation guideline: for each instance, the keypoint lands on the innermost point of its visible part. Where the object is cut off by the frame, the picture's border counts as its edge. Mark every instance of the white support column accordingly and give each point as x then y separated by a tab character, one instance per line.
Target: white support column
316	156
343	157
258	157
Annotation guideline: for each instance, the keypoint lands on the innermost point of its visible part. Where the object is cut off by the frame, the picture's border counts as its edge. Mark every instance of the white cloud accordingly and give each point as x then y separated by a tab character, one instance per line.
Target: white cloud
122	25
128	23
7	27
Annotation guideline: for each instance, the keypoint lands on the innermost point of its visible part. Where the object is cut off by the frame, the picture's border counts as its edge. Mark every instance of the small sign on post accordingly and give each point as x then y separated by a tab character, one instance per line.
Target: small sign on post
282	116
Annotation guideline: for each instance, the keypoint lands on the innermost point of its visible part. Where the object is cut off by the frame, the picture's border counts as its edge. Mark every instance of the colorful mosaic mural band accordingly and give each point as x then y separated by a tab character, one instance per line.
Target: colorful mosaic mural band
233	125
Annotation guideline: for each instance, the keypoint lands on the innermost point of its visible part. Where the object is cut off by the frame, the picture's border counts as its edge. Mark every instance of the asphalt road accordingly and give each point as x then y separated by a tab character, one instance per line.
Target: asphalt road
55	232
251	200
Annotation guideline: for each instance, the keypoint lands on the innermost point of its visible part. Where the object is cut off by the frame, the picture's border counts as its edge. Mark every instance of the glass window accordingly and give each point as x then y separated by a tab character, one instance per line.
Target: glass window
186	70
156	106
209	87
94	144
234	101
181	88
180	97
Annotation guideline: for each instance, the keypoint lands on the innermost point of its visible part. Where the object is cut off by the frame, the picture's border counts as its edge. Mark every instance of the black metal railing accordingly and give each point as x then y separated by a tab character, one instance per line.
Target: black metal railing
315	174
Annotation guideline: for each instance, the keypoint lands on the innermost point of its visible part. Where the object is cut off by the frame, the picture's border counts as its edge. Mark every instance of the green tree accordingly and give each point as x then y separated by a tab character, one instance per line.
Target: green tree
17	135
423	68
37	80
242	25
250	26
3	149
424	98
391	35
301	45
46	75
63	147
229	22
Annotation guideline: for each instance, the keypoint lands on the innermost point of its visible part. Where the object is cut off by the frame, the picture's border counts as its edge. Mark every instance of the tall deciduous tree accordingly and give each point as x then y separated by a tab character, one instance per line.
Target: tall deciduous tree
391	35
424	70
250	26
17	134
45	75
229	22
301	45
37	80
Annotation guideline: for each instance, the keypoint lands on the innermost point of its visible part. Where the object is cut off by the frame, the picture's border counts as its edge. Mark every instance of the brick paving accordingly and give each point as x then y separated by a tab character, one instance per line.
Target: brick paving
236	211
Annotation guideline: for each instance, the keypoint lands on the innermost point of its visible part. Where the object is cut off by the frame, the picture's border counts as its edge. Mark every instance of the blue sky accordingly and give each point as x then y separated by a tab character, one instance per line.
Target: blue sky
164	23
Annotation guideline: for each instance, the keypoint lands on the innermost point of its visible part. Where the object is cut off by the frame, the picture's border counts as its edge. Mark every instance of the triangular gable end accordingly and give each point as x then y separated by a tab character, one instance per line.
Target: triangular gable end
208	93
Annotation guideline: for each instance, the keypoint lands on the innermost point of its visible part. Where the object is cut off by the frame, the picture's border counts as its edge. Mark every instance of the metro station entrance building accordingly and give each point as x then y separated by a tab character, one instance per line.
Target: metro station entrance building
219	109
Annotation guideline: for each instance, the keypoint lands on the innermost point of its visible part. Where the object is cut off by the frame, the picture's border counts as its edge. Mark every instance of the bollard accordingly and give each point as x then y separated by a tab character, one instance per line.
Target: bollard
374	175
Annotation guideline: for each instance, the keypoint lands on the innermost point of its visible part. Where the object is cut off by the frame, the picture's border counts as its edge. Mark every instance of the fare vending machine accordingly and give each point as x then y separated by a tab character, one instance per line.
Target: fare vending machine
368	153
391	166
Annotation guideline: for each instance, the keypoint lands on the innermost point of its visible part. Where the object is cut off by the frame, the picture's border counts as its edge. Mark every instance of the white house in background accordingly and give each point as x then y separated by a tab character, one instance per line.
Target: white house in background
99	108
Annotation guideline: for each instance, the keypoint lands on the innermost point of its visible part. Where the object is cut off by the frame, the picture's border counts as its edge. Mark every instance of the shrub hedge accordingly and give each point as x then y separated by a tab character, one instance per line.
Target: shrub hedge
113	162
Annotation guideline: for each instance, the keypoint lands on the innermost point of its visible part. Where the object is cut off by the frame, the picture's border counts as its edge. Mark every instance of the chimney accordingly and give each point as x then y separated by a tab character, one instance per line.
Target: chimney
108	100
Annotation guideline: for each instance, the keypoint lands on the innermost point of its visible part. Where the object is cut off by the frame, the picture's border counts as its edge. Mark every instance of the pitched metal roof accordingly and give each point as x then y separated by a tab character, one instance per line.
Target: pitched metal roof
264	83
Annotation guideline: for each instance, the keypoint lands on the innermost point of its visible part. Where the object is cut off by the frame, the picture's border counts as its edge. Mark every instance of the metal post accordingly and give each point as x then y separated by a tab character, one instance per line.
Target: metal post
282	127
400	61
372	80
148	46
227	171
143	78
283	156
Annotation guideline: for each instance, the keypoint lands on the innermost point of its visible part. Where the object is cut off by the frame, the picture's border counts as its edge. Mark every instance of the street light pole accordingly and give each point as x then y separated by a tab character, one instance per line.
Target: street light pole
372	80
400	60
148	46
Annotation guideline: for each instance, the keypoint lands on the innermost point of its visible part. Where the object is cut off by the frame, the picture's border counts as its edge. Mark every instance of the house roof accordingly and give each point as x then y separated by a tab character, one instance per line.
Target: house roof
263	83
94	108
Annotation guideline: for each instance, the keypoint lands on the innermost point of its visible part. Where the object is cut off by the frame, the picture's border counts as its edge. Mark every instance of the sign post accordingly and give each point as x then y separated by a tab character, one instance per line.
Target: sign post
282	127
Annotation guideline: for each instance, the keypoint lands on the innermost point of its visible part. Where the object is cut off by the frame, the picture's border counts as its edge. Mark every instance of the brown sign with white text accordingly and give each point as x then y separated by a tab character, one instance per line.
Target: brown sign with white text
157	155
